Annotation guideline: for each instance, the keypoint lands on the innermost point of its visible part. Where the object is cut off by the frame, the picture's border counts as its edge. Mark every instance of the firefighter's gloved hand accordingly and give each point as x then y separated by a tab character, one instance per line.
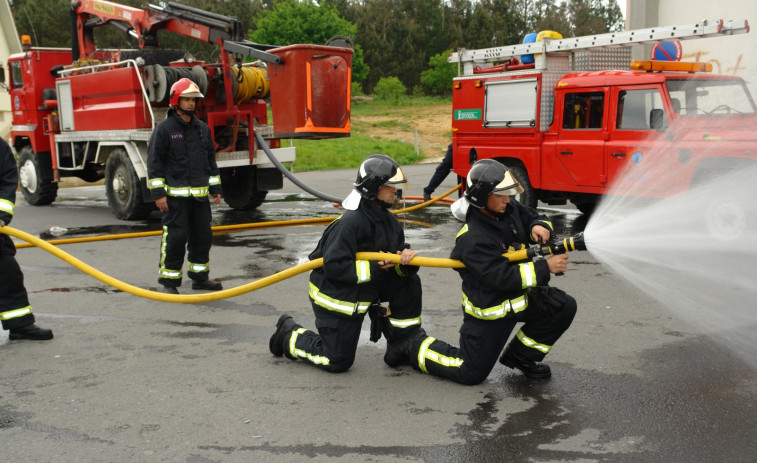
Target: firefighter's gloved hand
380	322
547	300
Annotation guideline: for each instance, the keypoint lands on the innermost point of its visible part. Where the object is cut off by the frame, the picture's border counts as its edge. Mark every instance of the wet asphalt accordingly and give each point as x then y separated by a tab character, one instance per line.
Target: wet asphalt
132	379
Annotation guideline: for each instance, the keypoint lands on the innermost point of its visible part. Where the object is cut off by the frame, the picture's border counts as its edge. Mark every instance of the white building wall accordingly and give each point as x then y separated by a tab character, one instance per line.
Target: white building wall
735	55
9	44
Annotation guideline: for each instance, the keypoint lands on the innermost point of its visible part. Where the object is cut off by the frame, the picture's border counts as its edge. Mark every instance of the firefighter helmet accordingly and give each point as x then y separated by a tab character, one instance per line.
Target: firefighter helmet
183	87
487	177
376	171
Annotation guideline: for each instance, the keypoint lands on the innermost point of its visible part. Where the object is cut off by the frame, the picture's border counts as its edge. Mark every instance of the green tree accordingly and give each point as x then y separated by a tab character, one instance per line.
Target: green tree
292	21
437	79
389	89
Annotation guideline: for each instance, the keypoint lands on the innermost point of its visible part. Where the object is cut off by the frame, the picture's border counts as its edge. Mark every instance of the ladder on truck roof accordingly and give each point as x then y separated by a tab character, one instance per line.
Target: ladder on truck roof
706	28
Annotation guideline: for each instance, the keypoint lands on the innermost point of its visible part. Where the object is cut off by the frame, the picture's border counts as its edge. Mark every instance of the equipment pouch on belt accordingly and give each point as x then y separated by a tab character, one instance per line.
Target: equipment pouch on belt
548	300
380	322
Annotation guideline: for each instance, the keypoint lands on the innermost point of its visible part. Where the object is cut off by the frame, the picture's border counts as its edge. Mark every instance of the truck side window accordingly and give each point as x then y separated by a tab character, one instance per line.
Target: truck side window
17	77
583	110
635	108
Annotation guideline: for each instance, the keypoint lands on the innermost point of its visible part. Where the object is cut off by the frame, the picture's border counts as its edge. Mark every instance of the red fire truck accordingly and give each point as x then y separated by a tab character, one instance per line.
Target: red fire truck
88	112
580	115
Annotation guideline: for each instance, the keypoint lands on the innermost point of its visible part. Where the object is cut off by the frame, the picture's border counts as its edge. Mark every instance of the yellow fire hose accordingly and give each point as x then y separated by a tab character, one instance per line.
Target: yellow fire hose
569	244
194	298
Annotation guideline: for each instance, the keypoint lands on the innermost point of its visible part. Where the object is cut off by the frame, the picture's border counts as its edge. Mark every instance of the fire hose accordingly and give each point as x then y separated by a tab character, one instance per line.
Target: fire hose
569	244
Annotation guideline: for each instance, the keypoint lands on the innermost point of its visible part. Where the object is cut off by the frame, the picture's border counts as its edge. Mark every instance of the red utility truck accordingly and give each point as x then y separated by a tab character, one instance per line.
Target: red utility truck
88	112
581	114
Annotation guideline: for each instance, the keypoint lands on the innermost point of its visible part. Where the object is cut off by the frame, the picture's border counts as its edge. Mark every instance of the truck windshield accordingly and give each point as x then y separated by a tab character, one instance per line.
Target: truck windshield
697	97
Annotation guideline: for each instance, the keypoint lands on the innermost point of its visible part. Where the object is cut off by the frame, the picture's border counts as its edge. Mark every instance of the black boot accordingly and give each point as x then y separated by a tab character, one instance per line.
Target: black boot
531	369
209	285
168	289
32	332
398	352
284	328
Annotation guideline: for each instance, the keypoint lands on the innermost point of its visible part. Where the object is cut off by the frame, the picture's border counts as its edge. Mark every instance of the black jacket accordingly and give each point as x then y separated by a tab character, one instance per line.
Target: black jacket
366	229
181	155
489	279
8	182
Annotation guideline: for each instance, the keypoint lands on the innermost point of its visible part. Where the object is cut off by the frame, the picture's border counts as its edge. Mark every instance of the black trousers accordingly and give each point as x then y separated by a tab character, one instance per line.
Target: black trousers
186	226
15	311
481	342
333	348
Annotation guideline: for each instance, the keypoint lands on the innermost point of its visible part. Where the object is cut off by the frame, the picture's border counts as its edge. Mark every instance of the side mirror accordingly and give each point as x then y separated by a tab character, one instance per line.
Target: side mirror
657	119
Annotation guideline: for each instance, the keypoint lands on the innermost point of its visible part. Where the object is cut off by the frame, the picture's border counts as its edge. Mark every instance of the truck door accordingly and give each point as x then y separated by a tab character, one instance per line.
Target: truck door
579	149
636	152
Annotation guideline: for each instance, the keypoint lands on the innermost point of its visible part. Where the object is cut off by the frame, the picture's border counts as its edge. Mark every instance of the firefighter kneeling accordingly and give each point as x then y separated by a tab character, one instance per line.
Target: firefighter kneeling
343	290
498	293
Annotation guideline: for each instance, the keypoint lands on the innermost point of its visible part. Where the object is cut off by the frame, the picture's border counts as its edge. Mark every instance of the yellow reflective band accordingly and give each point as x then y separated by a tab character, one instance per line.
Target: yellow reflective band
199	191
16	313
156	183
462	231
214	180
299	353
198	267
494	312
363	271
163	241
397	323
436	357
527	274
335	305
171	274
6	206
185	192
422	353
533	344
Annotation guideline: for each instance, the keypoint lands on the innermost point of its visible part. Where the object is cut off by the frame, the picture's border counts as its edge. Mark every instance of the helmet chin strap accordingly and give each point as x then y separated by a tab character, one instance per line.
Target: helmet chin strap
185	112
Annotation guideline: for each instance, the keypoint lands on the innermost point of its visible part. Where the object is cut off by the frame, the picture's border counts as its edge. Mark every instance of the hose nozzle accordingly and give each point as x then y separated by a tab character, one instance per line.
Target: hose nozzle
574	243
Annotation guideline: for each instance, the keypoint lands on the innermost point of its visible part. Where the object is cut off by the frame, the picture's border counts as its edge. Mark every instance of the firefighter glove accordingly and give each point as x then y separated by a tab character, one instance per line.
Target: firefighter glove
547	300
380	322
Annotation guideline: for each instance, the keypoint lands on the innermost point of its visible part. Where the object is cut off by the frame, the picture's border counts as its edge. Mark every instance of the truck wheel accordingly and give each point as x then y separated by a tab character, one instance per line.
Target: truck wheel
35	177
528	197
728	214
123	188
239	189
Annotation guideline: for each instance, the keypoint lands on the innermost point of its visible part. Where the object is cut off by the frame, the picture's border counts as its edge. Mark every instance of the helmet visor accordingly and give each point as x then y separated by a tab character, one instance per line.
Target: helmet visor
397	178
508	186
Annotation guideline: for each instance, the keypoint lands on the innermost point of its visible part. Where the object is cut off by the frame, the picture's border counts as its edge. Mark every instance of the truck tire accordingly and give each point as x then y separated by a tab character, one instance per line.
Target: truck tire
528	197
35	175
239	189
123	188
728	214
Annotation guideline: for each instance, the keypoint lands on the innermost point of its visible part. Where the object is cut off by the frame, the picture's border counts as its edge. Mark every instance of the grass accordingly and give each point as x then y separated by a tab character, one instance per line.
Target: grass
349	152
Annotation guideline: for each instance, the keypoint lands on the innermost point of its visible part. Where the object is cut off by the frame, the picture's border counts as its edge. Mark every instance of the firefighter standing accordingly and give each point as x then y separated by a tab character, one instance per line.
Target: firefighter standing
497	293
15	311
182	174
344	289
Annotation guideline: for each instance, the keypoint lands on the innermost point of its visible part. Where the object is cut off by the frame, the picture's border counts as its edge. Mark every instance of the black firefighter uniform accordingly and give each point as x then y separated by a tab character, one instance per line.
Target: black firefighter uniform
494	299
15	310
181	166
